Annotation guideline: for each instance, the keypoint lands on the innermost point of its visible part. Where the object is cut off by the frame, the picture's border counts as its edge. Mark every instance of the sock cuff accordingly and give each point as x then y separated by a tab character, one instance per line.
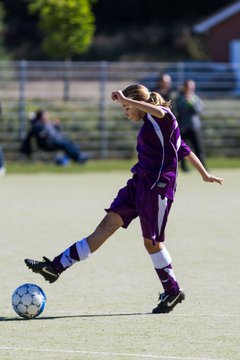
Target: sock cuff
83	249
161	259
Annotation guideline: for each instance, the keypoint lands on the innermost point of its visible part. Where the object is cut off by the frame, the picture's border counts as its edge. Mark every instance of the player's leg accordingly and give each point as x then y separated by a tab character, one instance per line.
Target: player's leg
110	223
121	212
153	222
162	263
79	251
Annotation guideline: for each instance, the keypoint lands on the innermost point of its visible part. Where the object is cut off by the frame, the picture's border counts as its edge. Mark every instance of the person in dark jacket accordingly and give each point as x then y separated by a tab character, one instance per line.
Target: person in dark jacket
164	86
188	107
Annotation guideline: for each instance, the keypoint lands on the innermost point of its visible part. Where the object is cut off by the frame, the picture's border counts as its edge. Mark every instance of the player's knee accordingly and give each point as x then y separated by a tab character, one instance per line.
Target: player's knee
152	247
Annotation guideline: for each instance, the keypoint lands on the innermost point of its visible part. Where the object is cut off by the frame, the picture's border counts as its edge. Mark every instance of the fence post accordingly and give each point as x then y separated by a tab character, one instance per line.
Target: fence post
102	110
180	74
67	80
22	97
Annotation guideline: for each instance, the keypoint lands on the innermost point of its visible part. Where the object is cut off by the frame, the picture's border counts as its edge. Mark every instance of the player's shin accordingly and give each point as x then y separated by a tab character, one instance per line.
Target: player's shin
79	251
162	264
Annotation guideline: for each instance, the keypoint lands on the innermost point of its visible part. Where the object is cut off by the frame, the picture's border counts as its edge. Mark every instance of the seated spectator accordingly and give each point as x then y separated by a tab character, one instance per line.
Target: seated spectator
49	137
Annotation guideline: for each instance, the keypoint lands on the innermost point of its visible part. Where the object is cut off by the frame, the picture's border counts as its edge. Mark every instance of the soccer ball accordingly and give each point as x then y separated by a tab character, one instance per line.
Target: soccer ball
28	301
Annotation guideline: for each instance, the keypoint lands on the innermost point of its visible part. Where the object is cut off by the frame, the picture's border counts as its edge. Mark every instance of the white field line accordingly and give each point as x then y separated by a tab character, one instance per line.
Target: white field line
105	353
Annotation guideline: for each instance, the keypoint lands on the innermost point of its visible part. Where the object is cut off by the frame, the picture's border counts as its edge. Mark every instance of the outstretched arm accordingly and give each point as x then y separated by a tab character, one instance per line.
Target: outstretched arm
141	105
194	160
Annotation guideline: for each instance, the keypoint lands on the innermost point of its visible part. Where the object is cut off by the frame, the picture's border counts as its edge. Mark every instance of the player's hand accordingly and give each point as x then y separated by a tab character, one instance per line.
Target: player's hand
211	178
118	95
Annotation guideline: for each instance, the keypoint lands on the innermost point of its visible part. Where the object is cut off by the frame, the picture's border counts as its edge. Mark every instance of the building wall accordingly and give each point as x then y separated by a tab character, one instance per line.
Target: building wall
219	37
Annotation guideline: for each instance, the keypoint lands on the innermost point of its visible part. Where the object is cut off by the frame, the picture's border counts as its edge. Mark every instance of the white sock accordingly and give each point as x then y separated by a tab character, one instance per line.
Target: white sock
161	259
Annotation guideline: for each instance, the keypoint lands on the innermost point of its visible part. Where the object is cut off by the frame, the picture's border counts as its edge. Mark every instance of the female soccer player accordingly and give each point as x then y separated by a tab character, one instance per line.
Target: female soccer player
148	194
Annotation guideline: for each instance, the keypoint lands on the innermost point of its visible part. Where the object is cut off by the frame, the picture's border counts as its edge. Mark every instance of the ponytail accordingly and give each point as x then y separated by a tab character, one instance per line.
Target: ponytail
157	99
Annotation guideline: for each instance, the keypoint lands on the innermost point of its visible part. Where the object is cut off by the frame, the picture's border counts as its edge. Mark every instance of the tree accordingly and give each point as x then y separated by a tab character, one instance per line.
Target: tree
68	26
114	20
3	53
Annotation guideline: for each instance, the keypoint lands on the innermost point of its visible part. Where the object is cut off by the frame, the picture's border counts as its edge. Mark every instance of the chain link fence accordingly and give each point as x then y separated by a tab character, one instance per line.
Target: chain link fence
79	93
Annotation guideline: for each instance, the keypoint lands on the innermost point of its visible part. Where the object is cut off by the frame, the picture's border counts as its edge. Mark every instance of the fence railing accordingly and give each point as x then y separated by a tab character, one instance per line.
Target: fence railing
79	94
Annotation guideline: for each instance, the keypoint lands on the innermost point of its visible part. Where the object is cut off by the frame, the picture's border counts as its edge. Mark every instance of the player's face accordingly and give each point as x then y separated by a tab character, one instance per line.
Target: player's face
132	113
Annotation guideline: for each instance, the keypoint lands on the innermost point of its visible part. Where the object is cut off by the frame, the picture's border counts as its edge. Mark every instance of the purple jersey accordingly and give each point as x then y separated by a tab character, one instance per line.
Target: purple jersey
159	148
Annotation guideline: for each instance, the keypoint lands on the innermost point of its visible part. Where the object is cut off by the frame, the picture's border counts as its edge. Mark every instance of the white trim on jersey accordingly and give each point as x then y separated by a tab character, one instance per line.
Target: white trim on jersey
176	148
179	143
160	136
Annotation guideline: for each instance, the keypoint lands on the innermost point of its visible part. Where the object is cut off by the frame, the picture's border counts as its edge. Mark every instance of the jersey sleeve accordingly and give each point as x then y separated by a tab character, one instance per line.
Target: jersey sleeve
184	150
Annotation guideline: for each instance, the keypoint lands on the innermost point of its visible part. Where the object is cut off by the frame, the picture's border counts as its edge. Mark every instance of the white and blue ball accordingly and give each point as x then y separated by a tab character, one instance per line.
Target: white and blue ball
28	301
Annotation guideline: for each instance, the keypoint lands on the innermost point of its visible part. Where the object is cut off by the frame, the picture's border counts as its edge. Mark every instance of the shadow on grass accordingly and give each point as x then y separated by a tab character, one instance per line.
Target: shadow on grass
72	316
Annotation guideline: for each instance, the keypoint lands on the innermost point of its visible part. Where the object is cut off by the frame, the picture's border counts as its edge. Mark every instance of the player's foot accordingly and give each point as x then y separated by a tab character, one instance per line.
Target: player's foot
44	268
83	158
168	302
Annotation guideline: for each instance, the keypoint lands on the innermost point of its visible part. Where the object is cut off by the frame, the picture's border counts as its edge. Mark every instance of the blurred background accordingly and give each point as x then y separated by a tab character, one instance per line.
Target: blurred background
67	56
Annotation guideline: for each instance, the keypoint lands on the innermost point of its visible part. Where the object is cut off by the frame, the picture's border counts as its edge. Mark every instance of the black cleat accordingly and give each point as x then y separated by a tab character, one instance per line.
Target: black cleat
44	268
168	302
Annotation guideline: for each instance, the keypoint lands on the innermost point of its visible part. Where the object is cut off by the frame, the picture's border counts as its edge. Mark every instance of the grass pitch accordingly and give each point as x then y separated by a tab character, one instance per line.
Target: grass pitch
101	308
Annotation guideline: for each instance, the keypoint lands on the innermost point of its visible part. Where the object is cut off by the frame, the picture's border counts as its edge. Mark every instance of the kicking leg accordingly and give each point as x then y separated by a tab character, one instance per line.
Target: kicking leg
79	251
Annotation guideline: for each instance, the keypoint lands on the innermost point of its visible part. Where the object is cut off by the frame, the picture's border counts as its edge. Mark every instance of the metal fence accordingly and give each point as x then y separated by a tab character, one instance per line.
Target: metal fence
79	93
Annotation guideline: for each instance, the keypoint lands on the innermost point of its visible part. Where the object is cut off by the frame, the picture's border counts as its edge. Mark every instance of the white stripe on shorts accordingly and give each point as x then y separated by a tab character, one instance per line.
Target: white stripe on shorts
162	205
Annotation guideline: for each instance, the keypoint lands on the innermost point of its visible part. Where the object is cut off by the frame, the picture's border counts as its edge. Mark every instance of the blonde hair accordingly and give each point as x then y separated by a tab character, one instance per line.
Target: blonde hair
141	93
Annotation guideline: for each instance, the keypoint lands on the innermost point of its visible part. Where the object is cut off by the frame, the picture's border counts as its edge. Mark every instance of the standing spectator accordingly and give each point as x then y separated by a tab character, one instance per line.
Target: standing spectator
50	138
188	107
164	86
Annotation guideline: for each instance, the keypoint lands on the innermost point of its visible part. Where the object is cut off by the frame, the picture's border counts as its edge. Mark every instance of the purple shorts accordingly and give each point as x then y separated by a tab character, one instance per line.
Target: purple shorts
138	199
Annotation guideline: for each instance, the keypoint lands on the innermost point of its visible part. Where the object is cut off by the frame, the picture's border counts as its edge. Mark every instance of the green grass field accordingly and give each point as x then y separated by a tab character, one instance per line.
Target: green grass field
101	308
103	166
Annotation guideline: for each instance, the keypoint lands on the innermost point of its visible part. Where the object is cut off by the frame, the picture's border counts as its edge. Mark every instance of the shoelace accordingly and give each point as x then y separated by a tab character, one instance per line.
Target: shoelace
163	296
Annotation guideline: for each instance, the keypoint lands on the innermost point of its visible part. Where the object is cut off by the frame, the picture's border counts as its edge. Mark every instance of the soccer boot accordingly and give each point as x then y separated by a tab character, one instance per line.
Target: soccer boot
168	302
44	268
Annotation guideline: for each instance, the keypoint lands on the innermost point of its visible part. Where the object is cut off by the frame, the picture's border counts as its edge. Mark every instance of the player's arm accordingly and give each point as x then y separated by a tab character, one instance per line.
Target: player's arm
194	160
141	105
